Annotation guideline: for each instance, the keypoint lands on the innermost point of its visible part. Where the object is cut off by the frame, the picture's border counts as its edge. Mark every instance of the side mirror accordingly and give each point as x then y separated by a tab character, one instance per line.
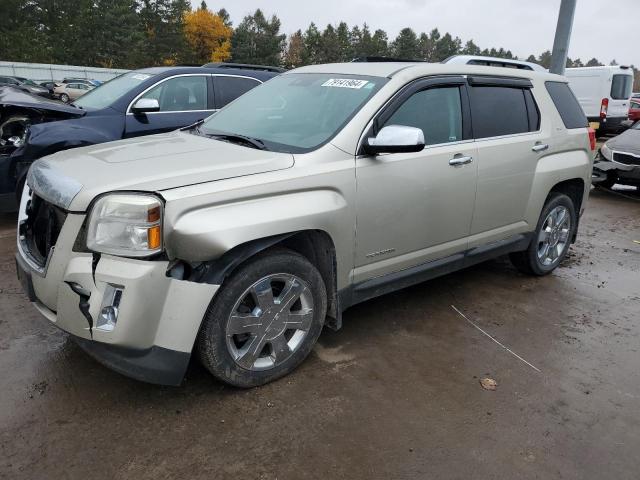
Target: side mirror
395	139
145	105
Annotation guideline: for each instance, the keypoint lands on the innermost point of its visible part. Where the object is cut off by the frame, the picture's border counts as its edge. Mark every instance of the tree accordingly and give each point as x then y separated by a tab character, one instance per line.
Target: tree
594	62
208	38
379	43
258	40
405	46
471	48
294	53
312	39
162	24
226	18
545	59
329	50
446	47
344	42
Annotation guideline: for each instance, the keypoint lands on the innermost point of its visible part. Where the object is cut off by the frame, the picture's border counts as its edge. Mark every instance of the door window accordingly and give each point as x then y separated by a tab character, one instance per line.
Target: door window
436	111
500	111
229	88
180	94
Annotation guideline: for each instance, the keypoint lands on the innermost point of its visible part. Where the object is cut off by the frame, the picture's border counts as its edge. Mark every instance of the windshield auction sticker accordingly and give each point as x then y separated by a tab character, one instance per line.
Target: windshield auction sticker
344	83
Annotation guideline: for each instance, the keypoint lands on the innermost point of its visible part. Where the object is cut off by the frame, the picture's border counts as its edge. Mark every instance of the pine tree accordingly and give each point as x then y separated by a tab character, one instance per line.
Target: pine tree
258	40
405	46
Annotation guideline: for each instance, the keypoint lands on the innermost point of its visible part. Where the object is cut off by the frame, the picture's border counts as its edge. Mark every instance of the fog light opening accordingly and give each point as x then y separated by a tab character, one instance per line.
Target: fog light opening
110	308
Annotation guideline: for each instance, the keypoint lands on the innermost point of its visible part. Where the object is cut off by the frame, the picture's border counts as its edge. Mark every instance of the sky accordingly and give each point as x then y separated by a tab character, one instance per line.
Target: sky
605	29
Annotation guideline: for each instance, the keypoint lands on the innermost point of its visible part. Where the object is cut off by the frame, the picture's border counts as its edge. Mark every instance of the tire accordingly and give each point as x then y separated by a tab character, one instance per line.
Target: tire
245	340
64	98
538	260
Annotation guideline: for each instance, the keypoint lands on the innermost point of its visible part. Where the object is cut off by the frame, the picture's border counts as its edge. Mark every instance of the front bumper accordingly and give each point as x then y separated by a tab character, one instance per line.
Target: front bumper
158	316
604	170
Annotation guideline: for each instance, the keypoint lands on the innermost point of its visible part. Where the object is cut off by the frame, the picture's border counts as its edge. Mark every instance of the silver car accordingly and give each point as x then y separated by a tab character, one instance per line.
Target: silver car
241	237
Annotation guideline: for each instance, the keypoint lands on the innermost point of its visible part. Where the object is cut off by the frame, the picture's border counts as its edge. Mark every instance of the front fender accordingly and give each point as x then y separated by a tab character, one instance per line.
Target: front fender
205	234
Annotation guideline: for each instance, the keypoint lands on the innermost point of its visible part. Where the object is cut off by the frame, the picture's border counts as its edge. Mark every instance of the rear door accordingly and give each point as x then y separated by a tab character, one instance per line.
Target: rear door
621	86
183	100
506	128
229	87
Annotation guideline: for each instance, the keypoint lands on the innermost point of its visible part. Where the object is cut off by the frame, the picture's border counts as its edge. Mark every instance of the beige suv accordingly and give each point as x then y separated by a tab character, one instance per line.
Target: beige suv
242	236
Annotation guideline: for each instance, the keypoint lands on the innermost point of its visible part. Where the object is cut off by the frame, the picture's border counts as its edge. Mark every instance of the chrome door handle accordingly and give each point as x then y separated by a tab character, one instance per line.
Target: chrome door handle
455	161
540	147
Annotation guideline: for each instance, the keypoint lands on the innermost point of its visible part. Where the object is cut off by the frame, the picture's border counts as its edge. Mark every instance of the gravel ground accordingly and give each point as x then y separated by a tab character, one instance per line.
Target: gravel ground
395	394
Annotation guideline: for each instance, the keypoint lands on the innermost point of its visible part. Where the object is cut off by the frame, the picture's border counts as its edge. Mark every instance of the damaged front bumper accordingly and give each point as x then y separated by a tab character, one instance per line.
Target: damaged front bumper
605	170
156	320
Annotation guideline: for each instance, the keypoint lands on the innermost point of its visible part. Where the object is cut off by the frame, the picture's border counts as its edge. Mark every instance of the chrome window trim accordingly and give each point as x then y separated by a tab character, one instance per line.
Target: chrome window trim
129	112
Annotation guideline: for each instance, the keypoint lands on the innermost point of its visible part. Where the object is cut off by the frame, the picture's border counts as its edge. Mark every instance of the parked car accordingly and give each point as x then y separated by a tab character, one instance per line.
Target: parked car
635	95
68	92
603	93
634	110
619	160
24	84
137	103
50	85
237	236
87	81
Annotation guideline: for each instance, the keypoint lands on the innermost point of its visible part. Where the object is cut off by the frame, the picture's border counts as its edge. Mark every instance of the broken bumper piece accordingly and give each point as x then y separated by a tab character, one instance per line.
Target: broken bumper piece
127	313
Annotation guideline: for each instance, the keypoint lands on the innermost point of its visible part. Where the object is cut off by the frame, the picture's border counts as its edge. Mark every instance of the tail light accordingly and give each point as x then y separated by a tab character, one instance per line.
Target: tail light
592	139
604	106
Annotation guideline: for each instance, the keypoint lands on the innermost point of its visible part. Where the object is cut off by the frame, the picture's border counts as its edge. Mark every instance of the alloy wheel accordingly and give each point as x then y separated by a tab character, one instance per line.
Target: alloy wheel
553	238
269	321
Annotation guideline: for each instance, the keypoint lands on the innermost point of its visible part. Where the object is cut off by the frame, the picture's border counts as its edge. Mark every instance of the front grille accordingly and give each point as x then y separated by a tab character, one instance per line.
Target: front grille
626	158
39	231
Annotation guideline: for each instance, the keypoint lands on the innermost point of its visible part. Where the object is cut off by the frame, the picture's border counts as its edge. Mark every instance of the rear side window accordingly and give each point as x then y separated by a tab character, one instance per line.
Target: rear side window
621	86
500	111
227	89
436	111
567	105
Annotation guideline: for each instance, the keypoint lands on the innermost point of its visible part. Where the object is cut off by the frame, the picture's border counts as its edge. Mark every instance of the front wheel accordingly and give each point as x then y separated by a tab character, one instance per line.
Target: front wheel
552	237
264	321
64	98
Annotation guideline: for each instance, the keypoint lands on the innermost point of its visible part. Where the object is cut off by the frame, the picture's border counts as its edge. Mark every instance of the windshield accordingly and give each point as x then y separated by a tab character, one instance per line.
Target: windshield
296	112
107	93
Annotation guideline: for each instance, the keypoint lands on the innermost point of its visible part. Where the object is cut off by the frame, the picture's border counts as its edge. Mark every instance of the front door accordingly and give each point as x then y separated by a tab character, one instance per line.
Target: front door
183	101
414	208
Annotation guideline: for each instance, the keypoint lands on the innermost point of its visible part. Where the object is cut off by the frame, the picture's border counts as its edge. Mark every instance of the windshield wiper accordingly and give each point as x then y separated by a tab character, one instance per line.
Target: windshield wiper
236	138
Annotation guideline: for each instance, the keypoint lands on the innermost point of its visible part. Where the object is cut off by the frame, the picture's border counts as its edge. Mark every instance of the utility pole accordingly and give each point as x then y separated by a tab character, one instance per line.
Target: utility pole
563	35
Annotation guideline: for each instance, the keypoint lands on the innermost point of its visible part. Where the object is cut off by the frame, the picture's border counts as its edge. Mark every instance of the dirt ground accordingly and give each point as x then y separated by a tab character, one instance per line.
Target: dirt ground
395	394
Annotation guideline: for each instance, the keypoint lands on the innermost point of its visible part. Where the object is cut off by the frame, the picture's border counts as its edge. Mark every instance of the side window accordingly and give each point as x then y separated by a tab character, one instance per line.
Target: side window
180	94
567	105
436	111
635	105
227	89
499	111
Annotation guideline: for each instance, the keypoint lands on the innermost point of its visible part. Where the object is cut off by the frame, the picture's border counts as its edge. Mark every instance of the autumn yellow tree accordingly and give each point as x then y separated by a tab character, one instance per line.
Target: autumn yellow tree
207	36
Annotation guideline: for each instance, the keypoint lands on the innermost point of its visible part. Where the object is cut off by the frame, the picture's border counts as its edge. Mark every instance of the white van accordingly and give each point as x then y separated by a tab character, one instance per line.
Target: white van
603	93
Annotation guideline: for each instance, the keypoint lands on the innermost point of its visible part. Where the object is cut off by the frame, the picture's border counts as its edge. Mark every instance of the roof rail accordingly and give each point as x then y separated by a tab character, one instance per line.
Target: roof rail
244	66
373	59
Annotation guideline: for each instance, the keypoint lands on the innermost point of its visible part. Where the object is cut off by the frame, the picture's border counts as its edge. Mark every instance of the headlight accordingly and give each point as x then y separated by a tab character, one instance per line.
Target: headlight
129	225
606	152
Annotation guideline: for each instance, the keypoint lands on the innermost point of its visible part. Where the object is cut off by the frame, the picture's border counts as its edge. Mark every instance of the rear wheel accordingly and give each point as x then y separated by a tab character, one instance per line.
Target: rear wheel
64	98
552	237
264	321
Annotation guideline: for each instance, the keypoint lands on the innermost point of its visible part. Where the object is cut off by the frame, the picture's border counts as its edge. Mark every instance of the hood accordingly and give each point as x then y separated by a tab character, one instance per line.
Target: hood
628	141
10	96
71	179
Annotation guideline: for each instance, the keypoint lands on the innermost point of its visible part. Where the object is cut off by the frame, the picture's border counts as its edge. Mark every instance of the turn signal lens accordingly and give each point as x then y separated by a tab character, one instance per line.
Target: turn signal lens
154	237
